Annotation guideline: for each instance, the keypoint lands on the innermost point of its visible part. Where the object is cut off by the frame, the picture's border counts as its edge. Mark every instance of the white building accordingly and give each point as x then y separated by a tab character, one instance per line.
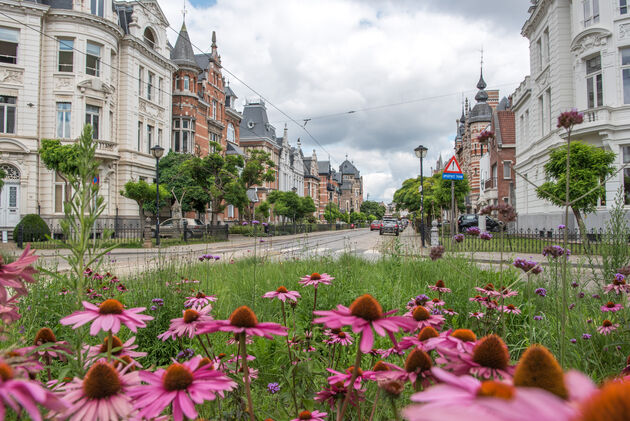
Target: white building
579	58
290	167
66	63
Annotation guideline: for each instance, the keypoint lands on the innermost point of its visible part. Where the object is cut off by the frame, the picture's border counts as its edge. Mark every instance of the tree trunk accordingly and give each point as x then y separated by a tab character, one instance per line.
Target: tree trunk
582	227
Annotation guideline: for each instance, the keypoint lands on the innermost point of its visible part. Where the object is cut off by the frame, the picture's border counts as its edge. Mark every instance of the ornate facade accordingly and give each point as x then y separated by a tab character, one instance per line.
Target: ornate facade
71	63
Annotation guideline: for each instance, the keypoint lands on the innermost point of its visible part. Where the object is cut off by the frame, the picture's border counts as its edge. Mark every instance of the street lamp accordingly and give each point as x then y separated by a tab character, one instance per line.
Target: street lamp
421	152
157	151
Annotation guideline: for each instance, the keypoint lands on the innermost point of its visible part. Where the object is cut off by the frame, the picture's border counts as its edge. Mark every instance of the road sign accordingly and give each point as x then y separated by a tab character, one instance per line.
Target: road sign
452	171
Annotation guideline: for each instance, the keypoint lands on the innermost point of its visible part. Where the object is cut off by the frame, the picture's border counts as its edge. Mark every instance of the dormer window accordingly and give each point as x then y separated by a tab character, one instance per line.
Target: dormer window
149	37
97	7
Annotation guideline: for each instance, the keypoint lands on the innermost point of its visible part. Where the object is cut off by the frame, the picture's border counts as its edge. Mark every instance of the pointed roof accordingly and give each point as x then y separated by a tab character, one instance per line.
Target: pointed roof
347	167
481	112
182	53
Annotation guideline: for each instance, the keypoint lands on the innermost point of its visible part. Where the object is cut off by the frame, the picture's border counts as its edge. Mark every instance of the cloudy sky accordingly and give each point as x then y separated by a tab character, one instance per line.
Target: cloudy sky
402	65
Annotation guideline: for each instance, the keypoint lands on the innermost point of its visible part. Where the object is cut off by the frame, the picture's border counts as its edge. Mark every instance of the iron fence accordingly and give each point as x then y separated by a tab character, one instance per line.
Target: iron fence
528	241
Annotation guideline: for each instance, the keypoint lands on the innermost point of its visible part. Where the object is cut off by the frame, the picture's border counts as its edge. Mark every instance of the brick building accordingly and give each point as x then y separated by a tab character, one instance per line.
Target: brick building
351	187
329	189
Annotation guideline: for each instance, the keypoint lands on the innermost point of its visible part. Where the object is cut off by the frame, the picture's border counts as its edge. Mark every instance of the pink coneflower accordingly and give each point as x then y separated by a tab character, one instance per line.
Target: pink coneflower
436	302
440	287
283	294
510	308
336	336
108	317
311	416
188	324
54	348
234	340
475	314
102	395
25	395
331	394
243	320
607	327
199	301
315	279
618	285
421	341
364	314
489	359
345	377
505	292
119	348
490	304
14	275
449	312
610	306
488	290
453	341
417	369
184	385
424	318
477	299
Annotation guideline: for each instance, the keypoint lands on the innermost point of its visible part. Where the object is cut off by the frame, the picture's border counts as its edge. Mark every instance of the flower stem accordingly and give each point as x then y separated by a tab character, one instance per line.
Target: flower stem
110	339
203	346
378	392
563	319
394	409
355	373
243	346
284	319
315	301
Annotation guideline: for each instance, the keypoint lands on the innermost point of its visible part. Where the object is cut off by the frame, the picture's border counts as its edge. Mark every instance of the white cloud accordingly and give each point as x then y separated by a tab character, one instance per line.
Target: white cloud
313	58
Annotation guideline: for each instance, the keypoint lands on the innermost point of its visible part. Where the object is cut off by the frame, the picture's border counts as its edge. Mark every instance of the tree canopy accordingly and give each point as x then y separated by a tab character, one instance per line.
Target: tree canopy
144	194
60	158
178	181
370	207
589	166
290	205
437	194
332	213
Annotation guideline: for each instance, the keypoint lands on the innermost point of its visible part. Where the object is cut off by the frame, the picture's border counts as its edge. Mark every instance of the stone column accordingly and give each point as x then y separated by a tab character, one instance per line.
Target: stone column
435	234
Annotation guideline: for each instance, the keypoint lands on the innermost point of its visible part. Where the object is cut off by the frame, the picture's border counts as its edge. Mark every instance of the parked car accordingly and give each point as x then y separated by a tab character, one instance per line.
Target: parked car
390	226
376	225
172	229
470	220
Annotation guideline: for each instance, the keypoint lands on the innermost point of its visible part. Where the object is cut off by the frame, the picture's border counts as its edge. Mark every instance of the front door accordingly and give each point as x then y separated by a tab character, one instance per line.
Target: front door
9	205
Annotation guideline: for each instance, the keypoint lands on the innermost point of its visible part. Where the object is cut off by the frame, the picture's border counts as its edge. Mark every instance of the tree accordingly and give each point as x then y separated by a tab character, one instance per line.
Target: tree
63	159
589	167
217	176
144	194
258	169
290	205
261	212
177	180
332	213
374	208
442	192
2	175
437	195
357	217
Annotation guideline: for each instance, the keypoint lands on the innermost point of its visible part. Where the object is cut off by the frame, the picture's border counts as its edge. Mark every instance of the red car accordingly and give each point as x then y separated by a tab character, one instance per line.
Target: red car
376	225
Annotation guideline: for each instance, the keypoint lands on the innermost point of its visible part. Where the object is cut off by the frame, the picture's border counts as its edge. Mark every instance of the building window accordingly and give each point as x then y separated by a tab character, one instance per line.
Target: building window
594	88
7	114
92	115
625	73
230	210
541	108
149	38
507	171
183	135
548	110
591	12
186	83
66	55
150	86
140	80
149	138
214	109
231	134
160	88
111	126
60	193
97	7
93	59
9	45
539	51
63	120
159	139
139	134
623	7
545	46
626	174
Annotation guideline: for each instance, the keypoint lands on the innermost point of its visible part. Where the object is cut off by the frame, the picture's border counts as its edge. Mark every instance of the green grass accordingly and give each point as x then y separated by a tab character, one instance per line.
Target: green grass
393	281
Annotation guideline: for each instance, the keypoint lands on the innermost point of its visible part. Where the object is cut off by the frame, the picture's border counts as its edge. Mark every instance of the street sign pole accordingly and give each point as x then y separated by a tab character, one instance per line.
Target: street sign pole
452	210
452	172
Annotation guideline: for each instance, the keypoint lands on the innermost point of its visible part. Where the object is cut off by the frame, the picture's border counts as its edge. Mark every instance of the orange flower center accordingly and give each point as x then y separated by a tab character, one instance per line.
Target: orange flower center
200	295
335	330
420	313
611	403
177	377
511	306
282	290
495	389
204	361
491	352
6	372
221	356
101	381
341	335
380	366
350	370
304	415
44	336
124	361
489	287
440	284
465	335
110	306
427	332
418	361
366	307
315	276
435	300
190	316
116	343
539	368
243	317
607	323
610	304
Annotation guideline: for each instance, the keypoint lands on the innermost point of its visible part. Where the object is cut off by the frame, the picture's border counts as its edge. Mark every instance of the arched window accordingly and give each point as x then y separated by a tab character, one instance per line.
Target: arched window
230	132
149	37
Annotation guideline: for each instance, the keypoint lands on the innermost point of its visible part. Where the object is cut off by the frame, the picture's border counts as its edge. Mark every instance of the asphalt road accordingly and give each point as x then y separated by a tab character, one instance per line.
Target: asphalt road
359	242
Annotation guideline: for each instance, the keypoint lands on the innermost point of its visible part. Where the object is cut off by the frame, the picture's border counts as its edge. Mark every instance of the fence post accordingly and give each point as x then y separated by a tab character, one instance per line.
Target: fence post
185	231
20	236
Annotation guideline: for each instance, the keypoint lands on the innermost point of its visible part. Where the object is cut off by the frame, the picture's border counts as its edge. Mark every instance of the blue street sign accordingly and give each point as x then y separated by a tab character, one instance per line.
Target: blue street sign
452	176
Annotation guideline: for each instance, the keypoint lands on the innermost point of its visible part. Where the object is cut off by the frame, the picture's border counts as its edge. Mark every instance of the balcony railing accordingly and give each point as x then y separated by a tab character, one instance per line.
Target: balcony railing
491	183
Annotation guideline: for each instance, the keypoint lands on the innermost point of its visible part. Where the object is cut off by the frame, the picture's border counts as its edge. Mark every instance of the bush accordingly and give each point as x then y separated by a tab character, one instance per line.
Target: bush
35	229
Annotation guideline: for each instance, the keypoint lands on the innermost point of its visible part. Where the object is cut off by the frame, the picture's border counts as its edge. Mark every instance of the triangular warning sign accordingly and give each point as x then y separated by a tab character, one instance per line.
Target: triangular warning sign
452	167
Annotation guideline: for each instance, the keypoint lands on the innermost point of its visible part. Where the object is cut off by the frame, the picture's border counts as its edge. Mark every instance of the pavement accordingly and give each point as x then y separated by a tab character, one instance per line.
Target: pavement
361	242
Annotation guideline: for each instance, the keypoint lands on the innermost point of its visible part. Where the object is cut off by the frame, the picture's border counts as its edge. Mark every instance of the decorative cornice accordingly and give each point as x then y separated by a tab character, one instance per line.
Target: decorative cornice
133	41
87	18
591	37
537	13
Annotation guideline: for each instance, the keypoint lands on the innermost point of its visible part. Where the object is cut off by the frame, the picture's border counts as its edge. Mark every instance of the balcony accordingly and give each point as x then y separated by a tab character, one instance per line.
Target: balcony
106	149
491	183
330	187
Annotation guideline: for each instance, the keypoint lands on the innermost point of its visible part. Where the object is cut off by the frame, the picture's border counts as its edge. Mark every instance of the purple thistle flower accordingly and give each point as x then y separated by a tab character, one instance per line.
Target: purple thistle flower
273	388
458	238
255	222
581	295
473	231
572	306
586	336
485	236
158	301
561	226
538	317
541	291
153	308
573	340
596	296
575	284
185	354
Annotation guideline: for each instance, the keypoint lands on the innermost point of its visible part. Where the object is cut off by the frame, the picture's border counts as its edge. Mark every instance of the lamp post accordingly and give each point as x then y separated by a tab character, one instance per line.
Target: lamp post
421	152
157	151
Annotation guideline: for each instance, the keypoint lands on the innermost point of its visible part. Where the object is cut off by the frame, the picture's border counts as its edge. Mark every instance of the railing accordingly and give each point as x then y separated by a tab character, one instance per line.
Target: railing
105	145
491	183
529	241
